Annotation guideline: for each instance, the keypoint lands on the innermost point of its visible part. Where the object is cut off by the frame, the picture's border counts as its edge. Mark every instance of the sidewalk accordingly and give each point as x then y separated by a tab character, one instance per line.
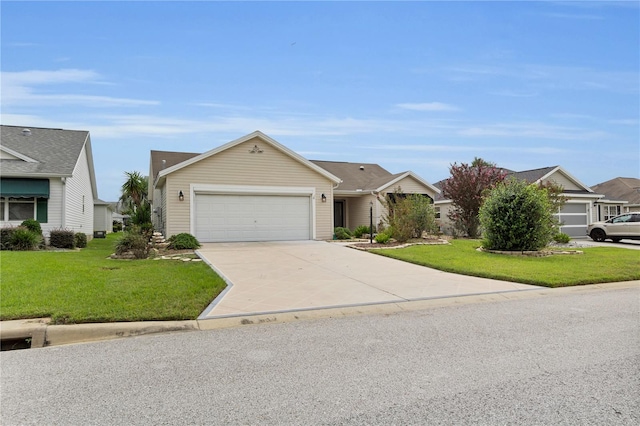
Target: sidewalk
44	334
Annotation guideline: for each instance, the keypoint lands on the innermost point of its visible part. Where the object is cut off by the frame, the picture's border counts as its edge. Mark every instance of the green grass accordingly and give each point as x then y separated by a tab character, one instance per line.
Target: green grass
596	265
86	286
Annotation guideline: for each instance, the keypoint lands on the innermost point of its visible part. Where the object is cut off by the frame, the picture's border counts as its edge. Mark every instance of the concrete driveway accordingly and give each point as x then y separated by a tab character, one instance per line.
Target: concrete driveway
287	276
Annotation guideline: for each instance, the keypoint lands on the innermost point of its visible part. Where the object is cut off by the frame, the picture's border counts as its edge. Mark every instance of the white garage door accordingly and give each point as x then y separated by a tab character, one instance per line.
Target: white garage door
573	219
221	218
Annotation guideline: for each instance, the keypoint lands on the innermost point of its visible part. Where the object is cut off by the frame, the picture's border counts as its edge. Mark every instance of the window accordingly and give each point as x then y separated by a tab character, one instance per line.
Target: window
2	203
18	209
610	211
437	209
622	219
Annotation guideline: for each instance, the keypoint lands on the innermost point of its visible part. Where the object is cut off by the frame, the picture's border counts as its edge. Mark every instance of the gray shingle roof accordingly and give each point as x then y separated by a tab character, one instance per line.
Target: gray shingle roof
620	188
532	175
371	177
171	158
56	151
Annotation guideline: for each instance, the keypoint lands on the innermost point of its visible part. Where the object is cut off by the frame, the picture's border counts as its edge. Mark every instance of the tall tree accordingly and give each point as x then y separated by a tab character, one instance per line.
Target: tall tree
465	188
134	191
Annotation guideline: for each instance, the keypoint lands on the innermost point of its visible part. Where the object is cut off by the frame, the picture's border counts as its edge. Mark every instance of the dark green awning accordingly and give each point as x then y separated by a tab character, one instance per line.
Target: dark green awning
24	188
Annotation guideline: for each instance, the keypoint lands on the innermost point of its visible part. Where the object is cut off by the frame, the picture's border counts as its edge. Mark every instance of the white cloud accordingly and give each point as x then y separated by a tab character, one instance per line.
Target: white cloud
469	148
19	88
427	106
531	130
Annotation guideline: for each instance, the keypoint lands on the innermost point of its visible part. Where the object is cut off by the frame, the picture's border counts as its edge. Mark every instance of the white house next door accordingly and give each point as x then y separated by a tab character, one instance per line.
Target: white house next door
248	217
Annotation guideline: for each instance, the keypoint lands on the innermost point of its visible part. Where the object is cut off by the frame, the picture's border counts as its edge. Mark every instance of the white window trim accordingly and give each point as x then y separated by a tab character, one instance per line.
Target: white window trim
6	201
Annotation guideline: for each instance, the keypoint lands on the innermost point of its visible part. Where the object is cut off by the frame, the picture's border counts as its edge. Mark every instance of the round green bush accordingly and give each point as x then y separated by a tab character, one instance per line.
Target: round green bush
342	233
183	241
382	238
561	238
33	226
23	239
80	239
517	216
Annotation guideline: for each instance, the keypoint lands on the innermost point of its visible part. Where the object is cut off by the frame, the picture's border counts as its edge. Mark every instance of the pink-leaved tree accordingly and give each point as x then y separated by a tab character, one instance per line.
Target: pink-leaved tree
465	188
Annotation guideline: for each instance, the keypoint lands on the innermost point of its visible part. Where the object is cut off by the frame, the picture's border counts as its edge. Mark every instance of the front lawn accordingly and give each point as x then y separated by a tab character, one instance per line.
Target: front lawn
596	265
86	286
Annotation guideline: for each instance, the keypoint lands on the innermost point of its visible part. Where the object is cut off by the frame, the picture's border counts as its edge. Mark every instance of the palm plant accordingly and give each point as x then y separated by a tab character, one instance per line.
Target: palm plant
134	191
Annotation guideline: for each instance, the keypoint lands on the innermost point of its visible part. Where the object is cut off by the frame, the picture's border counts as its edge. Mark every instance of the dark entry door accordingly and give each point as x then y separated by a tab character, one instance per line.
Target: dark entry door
338	214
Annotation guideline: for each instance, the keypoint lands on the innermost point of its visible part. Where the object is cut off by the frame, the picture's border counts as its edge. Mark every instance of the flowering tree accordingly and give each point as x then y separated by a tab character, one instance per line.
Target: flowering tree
465	188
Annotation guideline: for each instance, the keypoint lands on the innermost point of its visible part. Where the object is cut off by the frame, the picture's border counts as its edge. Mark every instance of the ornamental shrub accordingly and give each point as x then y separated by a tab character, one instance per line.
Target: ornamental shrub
183	241
360	231
517	216
80	239
135	243
33	226
5	237
23	239
342	233
62	238
383	237
561	238
409	215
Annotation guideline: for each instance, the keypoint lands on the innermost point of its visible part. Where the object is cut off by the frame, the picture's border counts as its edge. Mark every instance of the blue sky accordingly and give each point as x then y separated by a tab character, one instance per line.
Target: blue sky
410	86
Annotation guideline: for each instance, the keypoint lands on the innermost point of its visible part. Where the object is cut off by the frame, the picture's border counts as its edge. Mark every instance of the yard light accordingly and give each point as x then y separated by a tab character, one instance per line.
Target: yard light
181	196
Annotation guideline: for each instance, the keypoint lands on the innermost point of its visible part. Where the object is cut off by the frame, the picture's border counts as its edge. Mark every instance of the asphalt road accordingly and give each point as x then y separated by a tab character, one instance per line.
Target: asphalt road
560	359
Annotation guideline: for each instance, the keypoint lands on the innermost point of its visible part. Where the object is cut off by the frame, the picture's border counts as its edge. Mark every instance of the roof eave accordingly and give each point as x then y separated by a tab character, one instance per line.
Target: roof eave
246	138
407	174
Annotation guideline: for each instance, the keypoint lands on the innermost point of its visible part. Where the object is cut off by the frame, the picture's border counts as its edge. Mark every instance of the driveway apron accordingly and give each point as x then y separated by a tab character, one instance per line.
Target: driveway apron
287	276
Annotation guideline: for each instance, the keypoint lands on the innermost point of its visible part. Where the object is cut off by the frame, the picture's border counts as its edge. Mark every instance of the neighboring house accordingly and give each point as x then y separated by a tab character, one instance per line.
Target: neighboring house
255	189
578	212
47	175
102	217
621	195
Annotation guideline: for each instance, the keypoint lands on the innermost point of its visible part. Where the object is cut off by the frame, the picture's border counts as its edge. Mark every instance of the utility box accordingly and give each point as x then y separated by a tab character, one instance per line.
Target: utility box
99	234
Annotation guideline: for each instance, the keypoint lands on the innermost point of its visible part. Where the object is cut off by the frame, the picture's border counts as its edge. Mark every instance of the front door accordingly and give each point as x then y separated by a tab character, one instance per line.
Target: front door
338	214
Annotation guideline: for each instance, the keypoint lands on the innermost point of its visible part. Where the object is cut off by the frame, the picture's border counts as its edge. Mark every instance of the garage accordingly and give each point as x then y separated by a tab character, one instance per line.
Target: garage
574	219
252	217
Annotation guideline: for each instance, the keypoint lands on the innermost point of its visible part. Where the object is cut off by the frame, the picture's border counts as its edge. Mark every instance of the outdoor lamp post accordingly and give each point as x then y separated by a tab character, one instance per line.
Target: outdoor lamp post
370	222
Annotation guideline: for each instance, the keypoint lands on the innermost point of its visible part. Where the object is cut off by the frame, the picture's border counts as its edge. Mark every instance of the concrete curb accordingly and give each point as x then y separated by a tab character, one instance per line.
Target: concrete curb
44	334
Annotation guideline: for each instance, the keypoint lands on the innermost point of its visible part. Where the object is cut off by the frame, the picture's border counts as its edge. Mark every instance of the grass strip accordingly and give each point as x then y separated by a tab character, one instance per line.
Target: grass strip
596	265
86	286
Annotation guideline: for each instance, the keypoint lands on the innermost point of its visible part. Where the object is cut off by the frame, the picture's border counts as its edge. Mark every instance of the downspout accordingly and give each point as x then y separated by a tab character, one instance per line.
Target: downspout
63	212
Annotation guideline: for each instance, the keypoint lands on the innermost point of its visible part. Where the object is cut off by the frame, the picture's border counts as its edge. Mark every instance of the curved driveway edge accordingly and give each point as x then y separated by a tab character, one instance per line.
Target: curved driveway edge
301	275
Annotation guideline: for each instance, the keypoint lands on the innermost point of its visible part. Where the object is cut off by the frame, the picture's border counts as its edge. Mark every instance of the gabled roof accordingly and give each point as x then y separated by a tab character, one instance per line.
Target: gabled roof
620	188
533	176
256	134
539	175
41	152
366	177
355	176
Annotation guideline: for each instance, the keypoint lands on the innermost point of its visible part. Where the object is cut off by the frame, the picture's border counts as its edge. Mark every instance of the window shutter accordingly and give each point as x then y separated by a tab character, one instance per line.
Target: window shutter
41	210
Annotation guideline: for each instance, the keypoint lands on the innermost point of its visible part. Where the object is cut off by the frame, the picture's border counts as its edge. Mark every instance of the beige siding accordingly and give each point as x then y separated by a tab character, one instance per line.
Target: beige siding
409	185
79	198
358	211
560	179
237	166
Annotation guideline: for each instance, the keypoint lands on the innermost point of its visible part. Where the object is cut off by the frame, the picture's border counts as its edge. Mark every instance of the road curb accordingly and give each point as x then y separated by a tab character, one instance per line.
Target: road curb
44	334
